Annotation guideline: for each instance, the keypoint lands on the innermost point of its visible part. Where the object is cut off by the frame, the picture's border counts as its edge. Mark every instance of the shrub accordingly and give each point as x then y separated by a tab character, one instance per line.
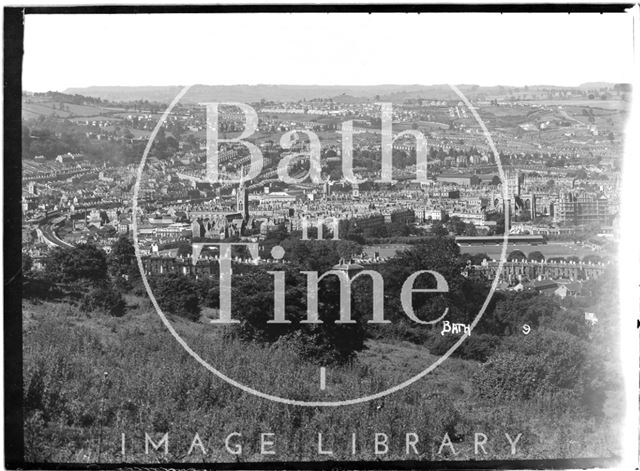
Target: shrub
209	292
177	295
326	342
35	288
401	329
85	262
546	362
478	347
475	347
446	418
27	263
63	385
122	264
322	345
105	299
511	375
440	344
510	311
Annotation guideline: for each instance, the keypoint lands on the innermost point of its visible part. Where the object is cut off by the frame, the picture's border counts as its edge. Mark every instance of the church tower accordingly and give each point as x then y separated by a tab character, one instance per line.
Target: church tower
242	201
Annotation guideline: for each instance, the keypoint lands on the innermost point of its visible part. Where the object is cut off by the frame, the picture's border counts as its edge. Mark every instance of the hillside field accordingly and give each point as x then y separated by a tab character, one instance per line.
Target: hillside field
151	385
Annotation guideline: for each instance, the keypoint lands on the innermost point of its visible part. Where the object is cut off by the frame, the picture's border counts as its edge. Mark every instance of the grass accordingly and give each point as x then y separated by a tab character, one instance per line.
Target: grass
597	103
46	108
154	386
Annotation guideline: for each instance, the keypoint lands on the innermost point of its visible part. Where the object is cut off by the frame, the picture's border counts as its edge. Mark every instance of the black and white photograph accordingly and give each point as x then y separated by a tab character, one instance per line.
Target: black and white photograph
321	237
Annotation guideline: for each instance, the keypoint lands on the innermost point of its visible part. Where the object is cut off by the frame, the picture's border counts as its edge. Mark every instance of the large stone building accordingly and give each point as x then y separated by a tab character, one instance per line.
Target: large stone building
583	209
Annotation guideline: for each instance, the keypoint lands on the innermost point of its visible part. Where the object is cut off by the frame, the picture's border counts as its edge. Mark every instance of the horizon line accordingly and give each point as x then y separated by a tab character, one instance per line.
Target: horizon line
79	87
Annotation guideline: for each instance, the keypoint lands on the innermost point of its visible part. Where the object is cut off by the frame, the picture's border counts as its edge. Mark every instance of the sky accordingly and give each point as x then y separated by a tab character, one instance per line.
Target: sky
63	51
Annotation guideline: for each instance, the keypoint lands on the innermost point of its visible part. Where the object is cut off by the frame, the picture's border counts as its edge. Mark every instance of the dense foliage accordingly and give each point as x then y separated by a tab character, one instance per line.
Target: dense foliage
177	294
547	362
122	263
85	262
51	137
103	299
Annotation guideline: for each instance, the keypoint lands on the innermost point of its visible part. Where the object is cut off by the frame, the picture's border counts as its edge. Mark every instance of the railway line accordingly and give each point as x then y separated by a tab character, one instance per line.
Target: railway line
47	230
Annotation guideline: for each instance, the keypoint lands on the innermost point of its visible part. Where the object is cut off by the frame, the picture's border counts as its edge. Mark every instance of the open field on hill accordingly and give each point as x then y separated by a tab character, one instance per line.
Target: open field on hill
605	104
47	108
153	386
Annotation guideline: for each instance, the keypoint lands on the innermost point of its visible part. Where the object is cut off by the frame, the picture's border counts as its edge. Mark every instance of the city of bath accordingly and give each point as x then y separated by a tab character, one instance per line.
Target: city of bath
321	273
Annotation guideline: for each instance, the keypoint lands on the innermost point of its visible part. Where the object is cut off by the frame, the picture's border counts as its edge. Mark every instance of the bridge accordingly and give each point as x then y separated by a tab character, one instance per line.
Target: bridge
546	270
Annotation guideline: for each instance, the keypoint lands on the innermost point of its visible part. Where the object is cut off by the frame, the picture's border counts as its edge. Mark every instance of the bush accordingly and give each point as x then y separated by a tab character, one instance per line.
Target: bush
36	289
401	329
324	345
510	311
475	347
209	292
440	344
177	295
511	375
327	342
105	299
446	418
27	264
546	362
122	264
478	347
85	262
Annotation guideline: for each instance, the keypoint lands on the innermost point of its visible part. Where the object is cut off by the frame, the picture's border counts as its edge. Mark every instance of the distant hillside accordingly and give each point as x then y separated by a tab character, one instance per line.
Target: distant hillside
346	99
339	93
254	93
595	85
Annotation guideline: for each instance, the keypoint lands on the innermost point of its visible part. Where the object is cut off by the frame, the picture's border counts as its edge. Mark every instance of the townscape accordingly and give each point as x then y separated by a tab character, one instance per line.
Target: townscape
542	344
559	148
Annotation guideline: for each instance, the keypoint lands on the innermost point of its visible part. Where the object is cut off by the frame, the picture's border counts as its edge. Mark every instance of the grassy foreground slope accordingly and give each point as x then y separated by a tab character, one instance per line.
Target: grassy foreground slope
153	386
